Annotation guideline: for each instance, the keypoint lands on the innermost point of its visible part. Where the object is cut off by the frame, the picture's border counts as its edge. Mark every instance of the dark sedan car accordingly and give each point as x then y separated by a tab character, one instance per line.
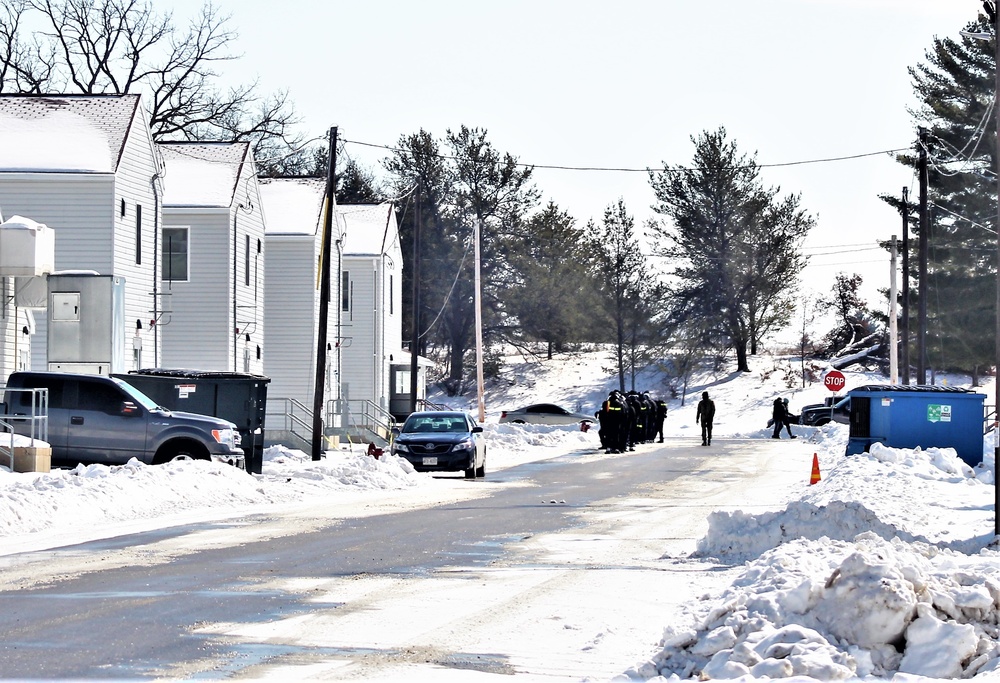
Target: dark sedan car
442	441
544	414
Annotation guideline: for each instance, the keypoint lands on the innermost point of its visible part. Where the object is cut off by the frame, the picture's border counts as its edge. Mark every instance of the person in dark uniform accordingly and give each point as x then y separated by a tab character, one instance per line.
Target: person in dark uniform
624	422
705	415
789	418
778	417
661	416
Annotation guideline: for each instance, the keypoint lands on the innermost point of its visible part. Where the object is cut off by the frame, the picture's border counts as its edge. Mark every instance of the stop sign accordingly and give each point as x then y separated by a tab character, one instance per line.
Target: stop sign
834	380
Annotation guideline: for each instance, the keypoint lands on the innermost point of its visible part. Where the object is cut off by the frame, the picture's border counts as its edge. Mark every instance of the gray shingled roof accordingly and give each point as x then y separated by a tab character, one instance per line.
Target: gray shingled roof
111	114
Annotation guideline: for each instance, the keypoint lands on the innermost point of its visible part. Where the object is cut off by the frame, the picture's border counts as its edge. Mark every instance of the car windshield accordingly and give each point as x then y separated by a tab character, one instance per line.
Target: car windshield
136	395
416	424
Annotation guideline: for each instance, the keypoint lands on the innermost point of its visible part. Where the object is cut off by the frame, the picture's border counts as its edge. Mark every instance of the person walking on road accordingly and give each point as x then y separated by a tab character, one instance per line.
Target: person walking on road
661	416
705	415
789	418
779	416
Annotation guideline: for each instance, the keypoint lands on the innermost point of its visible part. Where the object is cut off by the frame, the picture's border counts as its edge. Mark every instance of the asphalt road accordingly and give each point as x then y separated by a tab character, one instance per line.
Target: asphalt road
202	601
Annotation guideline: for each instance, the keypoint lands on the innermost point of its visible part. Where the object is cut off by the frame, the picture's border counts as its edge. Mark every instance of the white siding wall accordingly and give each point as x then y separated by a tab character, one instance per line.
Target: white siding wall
134	184
291	309
359	354
13	343
250	268
79	208
197	333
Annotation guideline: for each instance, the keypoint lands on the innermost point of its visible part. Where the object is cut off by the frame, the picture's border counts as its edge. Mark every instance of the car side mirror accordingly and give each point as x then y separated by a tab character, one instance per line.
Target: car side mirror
395	431
477	430
129	409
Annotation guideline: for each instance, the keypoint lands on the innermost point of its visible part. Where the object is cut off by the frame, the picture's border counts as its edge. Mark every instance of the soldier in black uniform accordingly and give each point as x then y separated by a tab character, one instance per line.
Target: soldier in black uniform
705	415
661	416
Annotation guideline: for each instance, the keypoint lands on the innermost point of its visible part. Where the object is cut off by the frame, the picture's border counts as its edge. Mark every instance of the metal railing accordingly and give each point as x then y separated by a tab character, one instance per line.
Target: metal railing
363	417
424	404
293	417
33	424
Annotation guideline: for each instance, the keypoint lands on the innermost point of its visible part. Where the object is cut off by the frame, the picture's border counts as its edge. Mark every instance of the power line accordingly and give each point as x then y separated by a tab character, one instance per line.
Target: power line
679	169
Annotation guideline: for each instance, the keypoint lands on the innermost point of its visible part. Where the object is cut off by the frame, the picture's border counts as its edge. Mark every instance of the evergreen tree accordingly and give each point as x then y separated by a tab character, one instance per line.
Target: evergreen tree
735	244
470	184
955	87
554	284
626	289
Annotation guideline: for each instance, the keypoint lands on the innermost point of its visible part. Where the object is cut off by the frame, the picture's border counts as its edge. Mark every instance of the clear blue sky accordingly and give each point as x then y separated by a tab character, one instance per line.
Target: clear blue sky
626	84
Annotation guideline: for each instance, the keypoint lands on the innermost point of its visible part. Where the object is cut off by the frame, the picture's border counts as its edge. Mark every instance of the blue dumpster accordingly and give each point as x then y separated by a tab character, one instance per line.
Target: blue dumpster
912	416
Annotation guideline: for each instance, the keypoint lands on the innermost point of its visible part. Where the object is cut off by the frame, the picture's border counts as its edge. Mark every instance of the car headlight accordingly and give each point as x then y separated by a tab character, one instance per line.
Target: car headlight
466	445
227	437
400	448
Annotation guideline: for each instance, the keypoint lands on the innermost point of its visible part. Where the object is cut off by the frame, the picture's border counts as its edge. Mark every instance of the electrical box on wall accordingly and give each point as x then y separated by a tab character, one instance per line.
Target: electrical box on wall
86	323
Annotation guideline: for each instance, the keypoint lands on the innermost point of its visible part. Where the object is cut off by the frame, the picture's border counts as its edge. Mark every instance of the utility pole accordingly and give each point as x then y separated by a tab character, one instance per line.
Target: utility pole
893	331
906	286
415	301
479	326
922	265
991	11
319	385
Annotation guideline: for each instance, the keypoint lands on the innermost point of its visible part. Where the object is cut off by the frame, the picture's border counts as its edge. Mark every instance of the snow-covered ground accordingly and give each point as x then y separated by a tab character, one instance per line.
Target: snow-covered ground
884	568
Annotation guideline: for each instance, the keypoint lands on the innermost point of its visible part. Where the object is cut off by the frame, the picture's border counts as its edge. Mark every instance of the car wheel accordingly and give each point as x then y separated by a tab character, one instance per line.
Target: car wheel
481	470
822	421
518	422
180	450
470	473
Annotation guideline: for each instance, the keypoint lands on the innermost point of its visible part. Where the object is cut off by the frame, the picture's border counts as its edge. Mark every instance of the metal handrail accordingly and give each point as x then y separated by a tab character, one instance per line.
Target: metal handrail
363	414
290	411
37	420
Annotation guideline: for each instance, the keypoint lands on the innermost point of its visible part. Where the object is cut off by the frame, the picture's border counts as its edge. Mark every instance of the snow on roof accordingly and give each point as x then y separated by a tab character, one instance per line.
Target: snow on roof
293	206
368	228
76	134
202	174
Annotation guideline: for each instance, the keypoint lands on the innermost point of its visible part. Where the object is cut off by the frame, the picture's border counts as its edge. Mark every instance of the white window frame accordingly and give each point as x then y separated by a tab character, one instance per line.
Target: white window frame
187	255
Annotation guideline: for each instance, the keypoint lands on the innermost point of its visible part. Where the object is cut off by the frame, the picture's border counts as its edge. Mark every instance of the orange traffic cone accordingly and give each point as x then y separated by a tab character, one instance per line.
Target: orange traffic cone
814	478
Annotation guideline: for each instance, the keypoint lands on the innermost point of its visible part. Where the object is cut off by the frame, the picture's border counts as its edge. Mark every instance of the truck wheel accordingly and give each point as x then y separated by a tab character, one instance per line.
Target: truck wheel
180	450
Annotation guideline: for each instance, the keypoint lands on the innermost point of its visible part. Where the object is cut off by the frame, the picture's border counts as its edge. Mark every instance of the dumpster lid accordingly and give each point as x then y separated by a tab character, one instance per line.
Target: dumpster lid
911	389
197	374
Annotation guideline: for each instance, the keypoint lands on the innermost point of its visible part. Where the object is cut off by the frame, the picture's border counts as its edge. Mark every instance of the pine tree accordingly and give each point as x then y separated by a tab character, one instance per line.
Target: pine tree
554	286
955	87
736	246
627	289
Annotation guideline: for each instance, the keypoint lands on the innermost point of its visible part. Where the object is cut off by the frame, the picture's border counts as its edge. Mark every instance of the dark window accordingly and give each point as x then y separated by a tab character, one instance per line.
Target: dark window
138	234
174	255
390	295
345	291
246	262
123	207
102	397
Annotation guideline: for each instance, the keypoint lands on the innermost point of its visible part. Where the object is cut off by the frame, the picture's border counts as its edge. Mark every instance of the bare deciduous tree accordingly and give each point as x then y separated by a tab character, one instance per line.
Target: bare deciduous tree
125	46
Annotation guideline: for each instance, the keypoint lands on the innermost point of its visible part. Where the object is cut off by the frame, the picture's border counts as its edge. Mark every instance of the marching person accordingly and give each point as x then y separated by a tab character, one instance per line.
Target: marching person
661	415
778	416
789	419
705	415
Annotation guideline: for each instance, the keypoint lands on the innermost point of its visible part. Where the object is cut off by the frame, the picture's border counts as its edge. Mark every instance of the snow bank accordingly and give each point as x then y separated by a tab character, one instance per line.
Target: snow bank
859	577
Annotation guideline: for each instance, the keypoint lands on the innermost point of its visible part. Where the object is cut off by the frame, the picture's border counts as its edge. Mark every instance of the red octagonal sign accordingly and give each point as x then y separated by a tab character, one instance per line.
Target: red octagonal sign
834	380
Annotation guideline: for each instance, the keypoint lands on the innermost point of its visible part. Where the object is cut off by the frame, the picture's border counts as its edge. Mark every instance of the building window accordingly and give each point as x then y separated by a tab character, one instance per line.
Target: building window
345	291
246	261
175	254
138	234
390	295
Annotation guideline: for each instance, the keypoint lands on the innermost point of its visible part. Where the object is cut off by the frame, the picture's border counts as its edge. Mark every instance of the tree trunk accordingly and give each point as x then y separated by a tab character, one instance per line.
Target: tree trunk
741	356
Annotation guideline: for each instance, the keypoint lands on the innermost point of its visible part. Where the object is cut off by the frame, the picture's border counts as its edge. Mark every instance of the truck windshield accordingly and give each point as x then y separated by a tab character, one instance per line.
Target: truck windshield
136	395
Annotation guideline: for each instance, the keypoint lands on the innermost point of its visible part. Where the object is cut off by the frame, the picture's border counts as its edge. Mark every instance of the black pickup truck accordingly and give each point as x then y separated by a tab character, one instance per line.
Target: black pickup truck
833	409
93	418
